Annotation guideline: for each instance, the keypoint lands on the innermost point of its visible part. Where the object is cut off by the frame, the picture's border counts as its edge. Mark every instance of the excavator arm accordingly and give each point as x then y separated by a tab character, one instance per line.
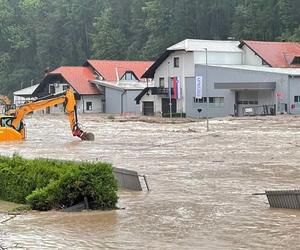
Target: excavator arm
70	106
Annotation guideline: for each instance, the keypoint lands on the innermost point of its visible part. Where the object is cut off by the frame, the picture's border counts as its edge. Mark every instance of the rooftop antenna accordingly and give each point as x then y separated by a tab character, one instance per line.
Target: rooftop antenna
117	74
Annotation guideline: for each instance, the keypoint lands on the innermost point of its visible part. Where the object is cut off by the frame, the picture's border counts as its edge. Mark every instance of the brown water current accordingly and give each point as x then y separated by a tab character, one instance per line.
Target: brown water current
201	185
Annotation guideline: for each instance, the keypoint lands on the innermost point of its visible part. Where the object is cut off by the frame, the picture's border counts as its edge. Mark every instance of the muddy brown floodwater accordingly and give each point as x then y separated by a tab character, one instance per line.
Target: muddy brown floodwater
201	185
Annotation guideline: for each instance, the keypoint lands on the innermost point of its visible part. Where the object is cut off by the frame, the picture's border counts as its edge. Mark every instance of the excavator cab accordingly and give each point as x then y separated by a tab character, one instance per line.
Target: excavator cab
6	121
10	109
8	132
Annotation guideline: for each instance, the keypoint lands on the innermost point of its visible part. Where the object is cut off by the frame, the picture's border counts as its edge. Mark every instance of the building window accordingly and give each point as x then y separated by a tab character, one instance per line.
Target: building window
246	102
296	60
161	82
129	76
89	106
51	89
248	98
297	98
176	62
214	102
219	102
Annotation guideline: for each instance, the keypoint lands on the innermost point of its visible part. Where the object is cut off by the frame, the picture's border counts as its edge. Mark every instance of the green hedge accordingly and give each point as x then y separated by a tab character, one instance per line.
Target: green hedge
46	184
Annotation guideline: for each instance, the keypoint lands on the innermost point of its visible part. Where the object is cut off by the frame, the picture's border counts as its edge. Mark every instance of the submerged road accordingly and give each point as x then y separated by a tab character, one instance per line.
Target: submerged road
201	185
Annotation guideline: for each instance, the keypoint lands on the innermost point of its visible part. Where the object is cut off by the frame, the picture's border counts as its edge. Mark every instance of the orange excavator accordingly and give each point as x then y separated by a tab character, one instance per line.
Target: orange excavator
12	127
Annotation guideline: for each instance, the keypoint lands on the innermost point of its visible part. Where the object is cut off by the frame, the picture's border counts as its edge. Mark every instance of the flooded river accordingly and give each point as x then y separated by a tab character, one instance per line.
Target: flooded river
201	185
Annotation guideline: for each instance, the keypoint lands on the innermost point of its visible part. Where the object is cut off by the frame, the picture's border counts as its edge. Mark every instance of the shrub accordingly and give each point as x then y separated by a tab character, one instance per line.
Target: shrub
45	184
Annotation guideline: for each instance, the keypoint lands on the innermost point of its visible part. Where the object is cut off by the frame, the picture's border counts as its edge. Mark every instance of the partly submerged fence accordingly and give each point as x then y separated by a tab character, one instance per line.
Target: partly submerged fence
284	199
259	110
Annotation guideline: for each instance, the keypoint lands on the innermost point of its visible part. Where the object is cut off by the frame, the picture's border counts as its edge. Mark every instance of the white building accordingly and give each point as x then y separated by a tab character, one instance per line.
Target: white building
180	64
120	96
90	97
23	95
180	60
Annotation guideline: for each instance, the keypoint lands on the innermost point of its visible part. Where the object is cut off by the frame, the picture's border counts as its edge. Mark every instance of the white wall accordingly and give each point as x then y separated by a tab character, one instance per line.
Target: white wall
187	61
19	100
151	98
294	90
186	66
223	58
250	58
129	104
166	69
96	104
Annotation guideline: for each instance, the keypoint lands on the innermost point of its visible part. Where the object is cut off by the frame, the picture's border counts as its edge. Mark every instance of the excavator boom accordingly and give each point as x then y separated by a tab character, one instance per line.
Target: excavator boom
16	122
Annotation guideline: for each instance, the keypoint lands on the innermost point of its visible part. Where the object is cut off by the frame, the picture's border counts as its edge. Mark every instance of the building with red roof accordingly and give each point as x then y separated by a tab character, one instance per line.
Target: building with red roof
92	97
79	78
272	54
87	95
114	71
120	82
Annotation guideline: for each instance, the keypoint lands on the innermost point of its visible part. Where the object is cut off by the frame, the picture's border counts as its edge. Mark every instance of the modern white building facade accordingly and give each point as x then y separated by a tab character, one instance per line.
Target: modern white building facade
234	77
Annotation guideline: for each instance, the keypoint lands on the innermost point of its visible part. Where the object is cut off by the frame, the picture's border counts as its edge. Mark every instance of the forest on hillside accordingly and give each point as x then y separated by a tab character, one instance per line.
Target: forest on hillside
43	34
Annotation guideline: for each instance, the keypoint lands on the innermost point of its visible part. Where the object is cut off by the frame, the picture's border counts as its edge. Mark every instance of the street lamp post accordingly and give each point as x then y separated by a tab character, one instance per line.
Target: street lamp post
206	90
170	92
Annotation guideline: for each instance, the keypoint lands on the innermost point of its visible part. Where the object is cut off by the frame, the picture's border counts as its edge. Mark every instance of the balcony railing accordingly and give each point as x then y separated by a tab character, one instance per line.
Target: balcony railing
161	91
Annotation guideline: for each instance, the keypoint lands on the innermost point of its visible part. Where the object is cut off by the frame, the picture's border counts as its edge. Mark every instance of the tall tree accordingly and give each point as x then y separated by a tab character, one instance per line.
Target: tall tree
39	34
15	47
108	41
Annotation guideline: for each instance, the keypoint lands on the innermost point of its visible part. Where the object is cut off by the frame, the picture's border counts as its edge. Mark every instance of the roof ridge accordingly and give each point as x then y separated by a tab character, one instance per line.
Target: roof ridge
108	60
280	42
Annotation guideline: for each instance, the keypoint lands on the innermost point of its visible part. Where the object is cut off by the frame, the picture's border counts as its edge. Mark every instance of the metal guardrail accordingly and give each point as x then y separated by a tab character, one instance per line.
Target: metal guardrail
161	91
283	198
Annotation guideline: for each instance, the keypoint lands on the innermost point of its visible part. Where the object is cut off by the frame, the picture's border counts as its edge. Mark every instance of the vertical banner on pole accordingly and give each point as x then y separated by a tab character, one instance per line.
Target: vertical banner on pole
176	87
199	85
170	87
170	96
174	96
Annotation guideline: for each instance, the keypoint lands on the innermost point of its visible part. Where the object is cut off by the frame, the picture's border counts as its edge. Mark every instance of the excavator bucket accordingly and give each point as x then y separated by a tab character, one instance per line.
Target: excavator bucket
84	136
87	136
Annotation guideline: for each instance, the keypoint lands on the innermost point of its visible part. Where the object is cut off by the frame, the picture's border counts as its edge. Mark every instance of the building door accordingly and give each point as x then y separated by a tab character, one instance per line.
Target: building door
148	108
246	100
236	104
166	107
103	106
